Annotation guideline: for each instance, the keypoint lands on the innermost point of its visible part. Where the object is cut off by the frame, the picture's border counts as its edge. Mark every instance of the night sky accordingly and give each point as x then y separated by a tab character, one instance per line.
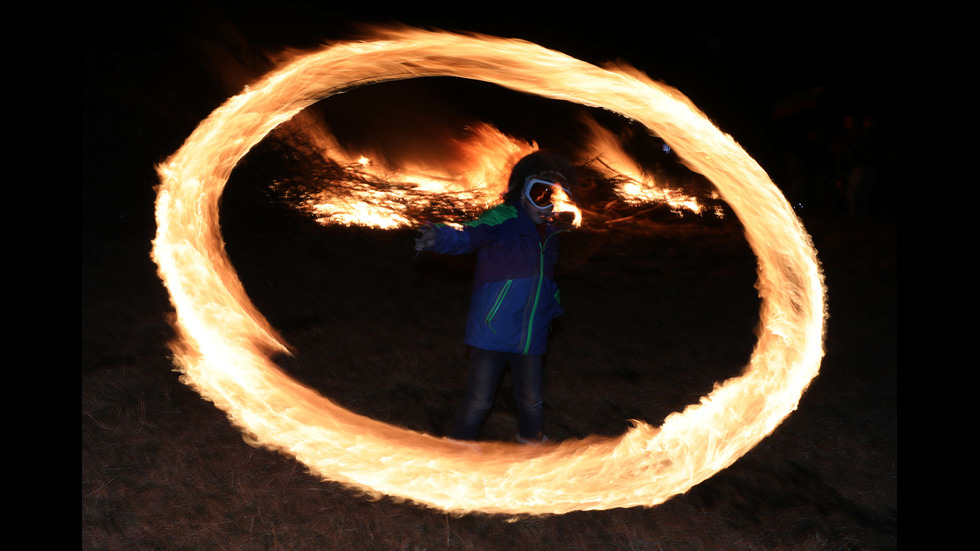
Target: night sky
737	64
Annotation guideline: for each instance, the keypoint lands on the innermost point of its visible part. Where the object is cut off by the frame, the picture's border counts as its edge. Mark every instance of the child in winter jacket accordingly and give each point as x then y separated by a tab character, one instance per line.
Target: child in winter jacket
514	295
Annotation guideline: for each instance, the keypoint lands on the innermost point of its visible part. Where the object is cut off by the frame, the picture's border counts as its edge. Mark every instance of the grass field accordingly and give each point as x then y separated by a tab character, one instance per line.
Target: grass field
656	315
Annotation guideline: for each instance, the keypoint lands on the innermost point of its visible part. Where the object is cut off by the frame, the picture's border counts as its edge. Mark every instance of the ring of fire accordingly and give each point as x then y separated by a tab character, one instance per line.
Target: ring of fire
224	345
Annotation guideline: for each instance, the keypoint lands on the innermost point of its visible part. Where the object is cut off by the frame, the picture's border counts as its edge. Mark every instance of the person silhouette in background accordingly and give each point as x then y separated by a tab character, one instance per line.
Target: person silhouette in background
858	158
514	297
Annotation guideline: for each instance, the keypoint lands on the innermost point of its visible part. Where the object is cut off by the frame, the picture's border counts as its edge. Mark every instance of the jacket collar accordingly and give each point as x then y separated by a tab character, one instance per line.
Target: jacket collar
527	227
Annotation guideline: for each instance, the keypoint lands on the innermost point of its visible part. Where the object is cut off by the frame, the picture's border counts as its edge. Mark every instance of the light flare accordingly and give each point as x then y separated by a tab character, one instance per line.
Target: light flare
224	346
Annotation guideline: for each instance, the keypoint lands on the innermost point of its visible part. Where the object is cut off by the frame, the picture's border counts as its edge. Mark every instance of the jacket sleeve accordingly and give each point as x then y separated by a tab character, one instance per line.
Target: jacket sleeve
472	235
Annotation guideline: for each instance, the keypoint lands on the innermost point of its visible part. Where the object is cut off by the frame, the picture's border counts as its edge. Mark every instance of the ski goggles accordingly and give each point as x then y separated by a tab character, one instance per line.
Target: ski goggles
540	191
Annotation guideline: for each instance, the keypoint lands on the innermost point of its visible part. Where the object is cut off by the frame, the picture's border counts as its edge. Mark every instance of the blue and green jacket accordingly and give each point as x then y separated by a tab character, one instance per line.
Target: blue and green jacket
515	297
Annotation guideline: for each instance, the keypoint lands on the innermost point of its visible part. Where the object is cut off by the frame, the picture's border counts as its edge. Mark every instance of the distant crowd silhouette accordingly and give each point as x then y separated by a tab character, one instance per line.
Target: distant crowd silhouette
844	173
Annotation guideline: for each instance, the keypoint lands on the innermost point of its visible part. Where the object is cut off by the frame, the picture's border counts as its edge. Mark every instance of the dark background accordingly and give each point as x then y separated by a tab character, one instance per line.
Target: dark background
150	79
162	469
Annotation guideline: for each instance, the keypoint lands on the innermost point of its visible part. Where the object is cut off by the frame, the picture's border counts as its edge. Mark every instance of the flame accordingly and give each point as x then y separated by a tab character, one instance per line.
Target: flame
224	345
632	183
563	204
370	193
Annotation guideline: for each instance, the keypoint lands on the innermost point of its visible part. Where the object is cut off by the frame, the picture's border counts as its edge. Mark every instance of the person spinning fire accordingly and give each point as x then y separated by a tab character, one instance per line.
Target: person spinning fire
515	297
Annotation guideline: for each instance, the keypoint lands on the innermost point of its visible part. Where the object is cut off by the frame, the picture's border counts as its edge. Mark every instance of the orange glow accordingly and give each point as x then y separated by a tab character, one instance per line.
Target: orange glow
224	345
374	195
370	193
633	184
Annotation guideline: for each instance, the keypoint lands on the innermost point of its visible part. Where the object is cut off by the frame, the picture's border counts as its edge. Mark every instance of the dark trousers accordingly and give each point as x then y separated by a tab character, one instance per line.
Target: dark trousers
484	374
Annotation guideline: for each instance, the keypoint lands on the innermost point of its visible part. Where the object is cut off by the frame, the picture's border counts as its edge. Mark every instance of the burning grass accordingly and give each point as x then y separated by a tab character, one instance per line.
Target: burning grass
657	312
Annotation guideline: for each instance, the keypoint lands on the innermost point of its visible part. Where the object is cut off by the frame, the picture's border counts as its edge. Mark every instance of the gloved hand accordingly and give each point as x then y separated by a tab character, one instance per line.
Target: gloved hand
425	238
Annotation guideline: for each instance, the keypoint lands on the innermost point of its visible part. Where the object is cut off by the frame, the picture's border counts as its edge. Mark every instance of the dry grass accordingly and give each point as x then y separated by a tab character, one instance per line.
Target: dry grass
657	312
655	316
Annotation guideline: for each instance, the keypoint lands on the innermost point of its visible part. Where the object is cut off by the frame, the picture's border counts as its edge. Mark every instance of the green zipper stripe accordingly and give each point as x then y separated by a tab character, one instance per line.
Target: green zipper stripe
537	293
537	297
497	303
